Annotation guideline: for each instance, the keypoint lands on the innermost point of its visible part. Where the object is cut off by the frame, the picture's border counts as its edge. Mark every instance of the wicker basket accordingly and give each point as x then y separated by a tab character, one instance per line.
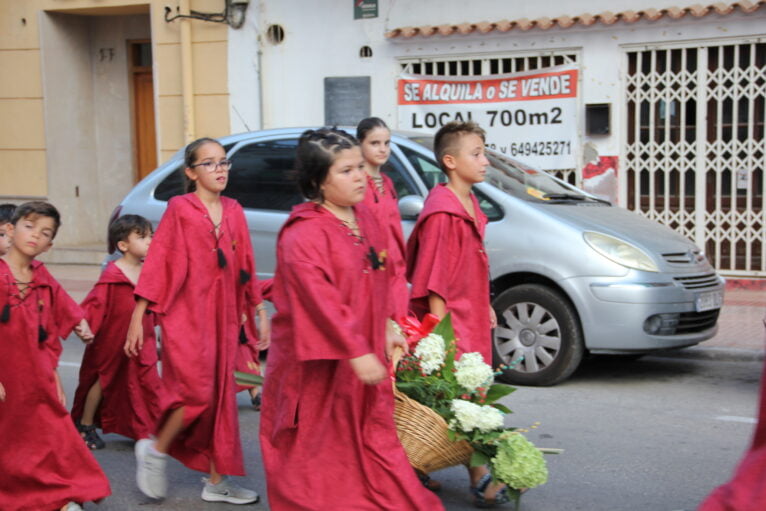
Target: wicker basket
423	434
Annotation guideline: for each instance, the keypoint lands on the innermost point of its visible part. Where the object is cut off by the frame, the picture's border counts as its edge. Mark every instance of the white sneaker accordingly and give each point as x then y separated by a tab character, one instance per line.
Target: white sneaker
227	491
72	506
150	470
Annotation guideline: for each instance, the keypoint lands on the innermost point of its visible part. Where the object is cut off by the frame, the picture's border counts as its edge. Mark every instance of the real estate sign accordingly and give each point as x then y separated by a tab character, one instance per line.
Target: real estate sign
531	116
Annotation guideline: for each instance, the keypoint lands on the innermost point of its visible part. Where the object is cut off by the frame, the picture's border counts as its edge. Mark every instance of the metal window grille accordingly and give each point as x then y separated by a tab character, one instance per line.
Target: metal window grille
493	65
695	149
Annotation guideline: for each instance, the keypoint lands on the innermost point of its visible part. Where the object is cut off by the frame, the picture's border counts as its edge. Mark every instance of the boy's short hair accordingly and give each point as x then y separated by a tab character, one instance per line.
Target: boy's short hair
6	213
121	228
447	138
35	209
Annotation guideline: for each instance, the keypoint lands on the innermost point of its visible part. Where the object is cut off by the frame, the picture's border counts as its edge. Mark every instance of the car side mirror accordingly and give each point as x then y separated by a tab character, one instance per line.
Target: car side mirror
410	206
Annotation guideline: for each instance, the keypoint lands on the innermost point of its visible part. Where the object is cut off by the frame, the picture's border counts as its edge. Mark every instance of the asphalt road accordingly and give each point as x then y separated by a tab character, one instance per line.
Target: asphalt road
651	435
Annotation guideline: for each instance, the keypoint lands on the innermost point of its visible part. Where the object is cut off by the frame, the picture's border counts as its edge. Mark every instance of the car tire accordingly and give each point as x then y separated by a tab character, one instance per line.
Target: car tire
539	323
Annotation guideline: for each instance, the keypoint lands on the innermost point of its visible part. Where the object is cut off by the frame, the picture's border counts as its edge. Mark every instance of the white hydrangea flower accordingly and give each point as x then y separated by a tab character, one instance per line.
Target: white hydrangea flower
472	372
470	416
430	352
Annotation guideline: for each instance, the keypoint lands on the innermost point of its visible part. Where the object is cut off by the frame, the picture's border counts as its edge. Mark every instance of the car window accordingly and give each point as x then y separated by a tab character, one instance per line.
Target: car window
432	175
175	184
260	176
426	168
172	185
403	184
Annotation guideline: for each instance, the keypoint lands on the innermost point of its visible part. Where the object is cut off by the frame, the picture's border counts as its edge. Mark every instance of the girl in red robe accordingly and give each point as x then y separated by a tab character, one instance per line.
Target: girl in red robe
195	278
747	489
116	393
44	464
375	141
328	437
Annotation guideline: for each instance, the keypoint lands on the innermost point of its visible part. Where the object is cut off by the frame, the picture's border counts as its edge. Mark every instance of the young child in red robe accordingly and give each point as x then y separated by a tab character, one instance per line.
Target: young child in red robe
375	141
6	215
118	394
251	342
327	433
43	462
446	261
196	278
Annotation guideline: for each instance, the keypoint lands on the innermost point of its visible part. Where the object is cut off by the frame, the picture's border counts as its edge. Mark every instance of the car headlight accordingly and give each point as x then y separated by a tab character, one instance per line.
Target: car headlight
619	251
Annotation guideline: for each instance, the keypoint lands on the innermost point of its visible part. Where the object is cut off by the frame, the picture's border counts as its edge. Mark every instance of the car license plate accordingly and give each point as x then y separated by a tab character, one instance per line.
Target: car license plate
709	301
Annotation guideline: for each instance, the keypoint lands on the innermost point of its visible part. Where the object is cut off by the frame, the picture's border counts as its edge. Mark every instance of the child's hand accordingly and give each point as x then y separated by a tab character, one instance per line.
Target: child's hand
393	340
83	332
135	339
368	369
492	317
264	330
2	392
59	389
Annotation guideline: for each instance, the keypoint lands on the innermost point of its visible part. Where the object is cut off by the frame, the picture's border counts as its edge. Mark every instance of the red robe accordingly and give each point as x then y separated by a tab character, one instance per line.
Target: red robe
385	207
199	306
43	461
131	386
747	489
328	441
446	256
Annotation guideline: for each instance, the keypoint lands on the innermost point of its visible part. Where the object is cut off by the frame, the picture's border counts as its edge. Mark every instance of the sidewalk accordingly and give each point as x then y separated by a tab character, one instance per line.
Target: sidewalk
740	325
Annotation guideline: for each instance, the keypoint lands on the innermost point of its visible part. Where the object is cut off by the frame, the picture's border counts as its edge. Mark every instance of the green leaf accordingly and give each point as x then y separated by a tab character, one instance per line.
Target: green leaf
479	459
247	379
498	391
502	407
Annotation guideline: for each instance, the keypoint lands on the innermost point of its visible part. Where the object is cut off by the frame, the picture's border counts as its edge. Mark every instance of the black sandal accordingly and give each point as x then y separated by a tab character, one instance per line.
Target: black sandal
256	402
89	434
480	501
431	484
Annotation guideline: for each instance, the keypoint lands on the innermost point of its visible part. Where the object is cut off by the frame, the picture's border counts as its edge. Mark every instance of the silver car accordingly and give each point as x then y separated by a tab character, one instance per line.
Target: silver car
571	274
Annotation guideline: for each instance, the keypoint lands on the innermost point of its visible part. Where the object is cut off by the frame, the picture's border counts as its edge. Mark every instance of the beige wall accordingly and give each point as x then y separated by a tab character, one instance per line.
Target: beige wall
66	131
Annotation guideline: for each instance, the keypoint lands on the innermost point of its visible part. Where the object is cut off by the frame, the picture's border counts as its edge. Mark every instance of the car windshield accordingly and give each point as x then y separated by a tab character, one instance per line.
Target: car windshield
521	180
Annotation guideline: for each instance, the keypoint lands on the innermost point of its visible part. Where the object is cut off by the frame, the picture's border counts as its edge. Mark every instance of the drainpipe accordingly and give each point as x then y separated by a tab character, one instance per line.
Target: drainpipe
187	84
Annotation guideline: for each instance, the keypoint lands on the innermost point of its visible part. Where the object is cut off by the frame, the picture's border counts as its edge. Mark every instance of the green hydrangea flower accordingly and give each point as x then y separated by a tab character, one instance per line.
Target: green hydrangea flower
518	463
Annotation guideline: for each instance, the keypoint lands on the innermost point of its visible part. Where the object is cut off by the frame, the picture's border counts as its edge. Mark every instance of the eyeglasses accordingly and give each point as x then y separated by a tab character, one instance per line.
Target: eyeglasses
212	166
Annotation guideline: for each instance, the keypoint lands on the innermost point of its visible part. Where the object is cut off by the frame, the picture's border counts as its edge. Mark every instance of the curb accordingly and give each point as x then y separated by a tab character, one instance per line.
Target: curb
714	353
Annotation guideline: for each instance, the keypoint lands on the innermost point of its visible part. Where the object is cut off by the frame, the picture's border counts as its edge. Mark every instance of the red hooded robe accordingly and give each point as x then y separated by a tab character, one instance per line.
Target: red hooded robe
199	306
328	440
385	207
131	386
446	256
43	462
747	489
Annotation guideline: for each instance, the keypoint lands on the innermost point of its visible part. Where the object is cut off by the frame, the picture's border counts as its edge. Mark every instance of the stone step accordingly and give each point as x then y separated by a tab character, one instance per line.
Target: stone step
78	254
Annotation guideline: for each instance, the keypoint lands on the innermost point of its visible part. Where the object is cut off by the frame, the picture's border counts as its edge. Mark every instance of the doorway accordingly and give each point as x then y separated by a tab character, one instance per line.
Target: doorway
142	86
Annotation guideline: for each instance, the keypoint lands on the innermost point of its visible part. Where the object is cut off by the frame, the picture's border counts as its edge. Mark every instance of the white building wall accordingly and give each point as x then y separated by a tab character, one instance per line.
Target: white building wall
323	40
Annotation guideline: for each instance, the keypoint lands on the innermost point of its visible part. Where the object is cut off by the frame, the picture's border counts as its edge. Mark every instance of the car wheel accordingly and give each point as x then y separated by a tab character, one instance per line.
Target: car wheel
539	326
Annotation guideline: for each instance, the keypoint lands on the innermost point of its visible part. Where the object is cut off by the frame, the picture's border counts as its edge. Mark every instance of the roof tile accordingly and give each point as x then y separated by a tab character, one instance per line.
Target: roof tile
585	19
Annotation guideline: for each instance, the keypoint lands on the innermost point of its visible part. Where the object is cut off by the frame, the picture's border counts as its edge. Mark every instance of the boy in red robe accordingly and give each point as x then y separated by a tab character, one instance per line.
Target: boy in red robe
327	433
446	261
447	264
44	463
116	393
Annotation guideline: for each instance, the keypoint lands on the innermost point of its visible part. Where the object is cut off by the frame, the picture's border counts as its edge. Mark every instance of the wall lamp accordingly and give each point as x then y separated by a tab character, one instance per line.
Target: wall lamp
233	14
